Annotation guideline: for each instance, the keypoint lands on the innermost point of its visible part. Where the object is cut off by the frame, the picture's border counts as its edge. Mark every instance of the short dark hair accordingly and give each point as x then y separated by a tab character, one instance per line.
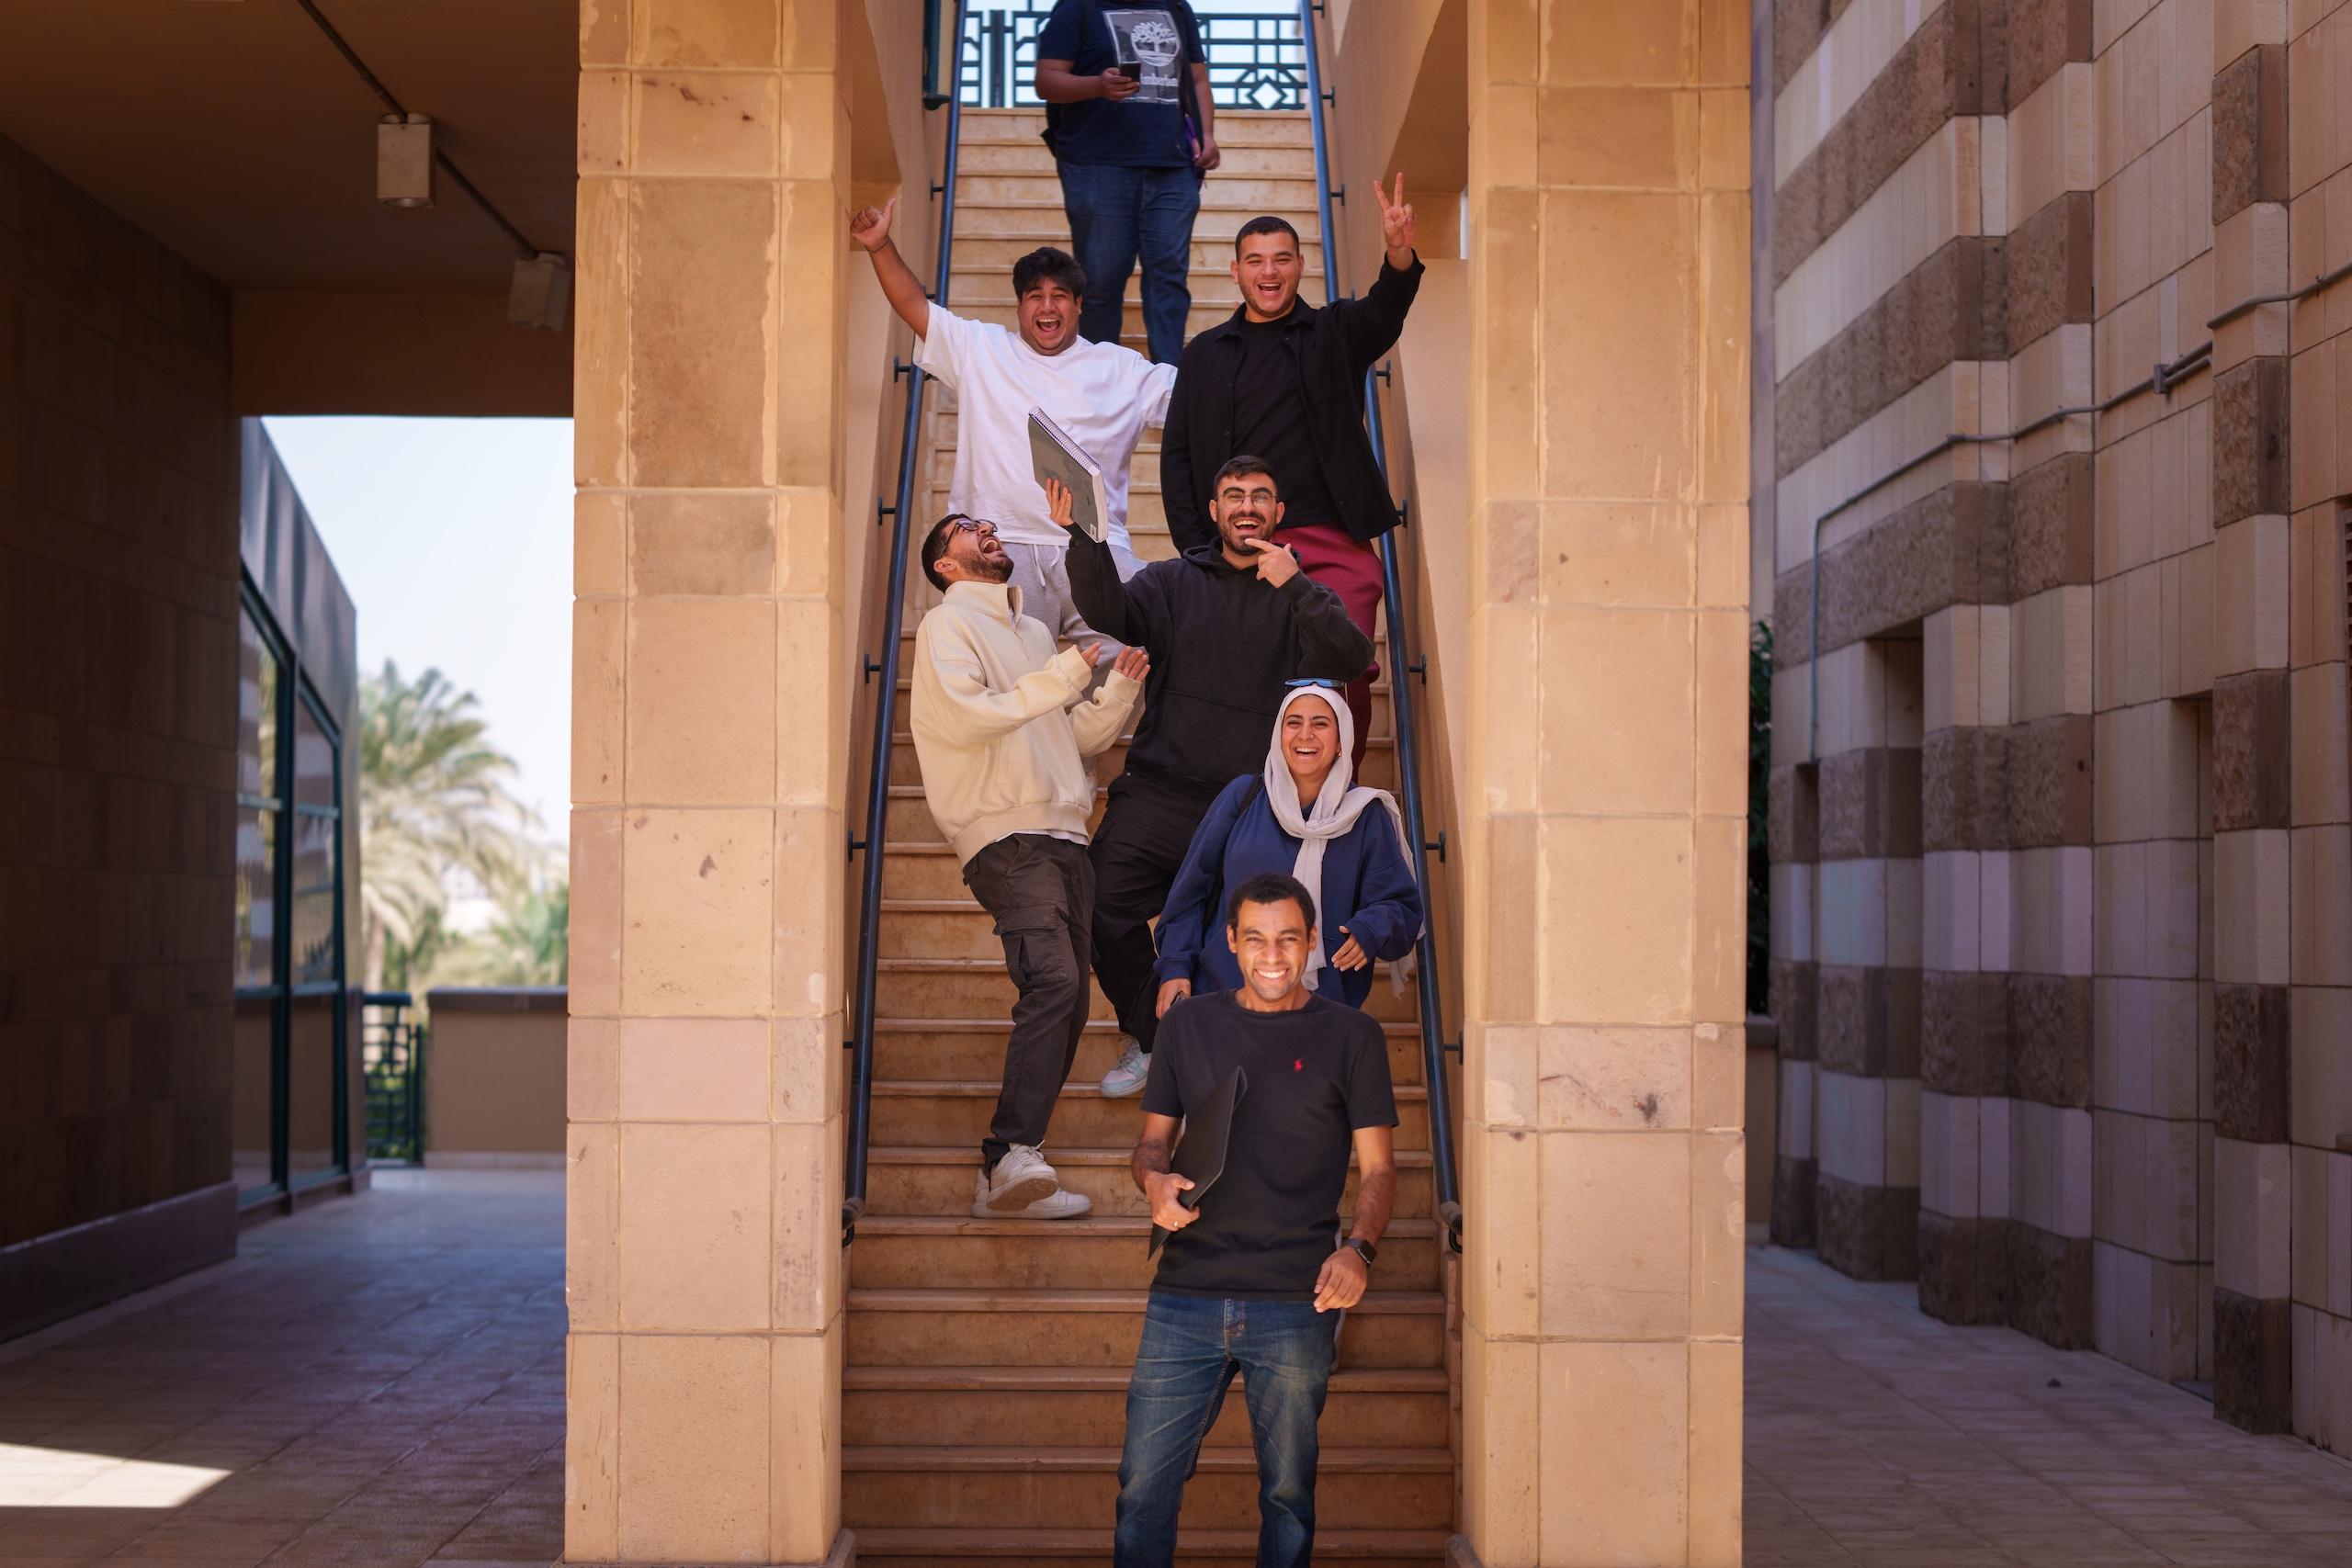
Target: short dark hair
1245	463
1046	265
934	545
1270	887
1265	223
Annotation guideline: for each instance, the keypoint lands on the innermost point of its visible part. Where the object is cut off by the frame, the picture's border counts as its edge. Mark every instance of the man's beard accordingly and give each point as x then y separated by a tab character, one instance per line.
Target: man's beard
998	571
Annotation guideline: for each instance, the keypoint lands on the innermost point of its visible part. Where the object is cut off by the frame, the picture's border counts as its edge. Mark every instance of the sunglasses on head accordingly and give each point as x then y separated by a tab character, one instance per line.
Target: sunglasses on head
1314	681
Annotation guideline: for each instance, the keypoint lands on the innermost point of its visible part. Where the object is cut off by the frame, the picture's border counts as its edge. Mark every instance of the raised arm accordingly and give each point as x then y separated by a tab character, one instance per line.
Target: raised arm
1104	602
871	229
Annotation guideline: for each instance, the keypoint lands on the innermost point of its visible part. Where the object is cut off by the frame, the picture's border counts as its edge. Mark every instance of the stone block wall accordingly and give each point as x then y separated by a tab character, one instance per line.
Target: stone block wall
2301	1024
118	548
2134	925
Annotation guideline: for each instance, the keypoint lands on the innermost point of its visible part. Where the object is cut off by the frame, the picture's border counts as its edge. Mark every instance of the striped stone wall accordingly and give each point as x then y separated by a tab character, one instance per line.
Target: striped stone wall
2061	877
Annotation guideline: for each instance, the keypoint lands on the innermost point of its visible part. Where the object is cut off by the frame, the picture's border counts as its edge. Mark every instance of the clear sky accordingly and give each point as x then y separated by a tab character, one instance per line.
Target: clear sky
454	536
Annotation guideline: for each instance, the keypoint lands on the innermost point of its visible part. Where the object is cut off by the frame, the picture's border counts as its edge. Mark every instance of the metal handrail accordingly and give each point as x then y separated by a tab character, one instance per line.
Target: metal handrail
1402	670
886	704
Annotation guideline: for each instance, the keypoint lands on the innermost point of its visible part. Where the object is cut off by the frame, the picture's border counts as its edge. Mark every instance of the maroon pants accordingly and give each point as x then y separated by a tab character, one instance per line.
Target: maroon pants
1350	567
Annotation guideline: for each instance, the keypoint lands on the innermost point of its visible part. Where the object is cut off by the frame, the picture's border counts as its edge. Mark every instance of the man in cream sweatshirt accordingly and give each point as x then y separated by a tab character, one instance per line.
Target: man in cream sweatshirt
1003	727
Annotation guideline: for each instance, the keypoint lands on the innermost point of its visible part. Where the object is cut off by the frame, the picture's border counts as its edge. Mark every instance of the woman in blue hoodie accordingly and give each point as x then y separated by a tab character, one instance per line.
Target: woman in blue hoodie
1302	817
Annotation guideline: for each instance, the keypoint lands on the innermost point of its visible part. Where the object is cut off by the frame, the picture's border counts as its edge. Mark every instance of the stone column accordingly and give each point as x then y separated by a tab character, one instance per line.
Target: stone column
1606	790
2252	880
709	675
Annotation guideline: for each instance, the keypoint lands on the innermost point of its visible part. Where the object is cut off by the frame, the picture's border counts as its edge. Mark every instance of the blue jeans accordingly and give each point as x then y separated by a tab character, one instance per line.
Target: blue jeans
1191	1346
1117	214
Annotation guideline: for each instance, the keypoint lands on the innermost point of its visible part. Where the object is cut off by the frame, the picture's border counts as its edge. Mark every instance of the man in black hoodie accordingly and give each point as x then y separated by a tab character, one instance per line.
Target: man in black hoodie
1228	625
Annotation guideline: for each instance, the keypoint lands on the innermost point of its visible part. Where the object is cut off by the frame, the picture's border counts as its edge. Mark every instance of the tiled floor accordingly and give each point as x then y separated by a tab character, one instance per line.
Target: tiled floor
379	1383
1878	1436
381	1377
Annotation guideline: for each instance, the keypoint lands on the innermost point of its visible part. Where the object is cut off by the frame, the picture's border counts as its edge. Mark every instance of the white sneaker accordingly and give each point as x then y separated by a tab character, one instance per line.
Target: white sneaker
1021	1178
1127	1076
1062	1205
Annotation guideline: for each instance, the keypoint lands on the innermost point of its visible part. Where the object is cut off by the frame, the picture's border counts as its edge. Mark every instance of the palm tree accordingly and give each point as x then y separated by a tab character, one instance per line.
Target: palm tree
434	797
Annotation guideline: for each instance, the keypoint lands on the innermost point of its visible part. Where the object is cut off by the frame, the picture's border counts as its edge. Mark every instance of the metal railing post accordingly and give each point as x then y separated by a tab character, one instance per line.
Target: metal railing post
886	704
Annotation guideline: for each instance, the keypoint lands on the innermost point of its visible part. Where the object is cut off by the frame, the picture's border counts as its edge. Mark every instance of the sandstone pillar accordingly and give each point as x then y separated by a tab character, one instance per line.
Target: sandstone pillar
703	1270
1606	786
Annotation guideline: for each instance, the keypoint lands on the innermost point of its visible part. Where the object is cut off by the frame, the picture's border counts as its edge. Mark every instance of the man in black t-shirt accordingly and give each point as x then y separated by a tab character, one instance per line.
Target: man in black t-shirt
1251	1280
1133	132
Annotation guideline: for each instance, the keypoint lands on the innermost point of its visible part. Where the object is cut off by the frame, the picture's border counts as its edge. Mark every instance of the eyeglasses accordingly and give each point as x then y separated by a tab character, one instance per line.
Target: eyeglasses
1255	496
1316	681
957	523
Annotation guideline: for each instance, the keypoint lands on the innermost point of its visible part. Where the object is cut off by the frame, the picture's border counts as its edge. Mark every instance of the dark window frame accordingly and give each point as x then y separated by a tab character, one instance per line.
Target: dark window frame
293	685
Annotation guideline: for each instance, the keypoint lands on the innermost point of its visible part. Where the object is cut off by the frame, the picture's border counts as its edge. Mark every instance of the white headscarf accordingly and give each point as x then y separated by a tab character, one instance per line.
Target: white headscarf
1332	813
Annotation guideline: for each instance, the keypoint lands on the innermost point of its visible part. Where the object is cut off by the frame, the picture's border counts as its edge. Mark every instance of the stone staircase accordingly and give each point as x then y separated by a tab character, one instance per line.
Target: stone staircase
984	1398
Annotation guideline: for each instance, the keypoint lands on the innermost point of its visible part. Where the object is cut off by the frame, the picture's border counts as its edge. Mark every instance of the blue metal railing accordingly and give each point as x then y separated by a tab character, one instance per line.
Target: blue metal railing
898	514
1403	670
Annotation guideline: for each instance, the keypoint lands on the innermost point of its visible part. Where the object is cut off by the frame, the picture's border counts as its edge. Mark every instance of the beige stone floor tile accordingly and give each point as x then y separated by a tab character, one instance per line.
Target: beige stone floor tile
1875	1432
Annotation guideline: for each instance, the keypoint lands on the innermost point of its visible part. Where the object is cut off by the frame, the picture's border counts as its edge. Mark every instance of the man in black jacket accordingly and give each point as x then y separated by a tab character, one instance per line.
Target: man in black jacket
1228	625
1286	380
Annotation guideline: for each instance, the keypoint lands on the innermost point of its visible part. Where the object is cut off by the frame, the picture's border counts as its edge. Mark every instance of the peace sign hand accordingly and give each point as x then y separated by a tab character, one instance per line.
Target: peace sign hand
1396	229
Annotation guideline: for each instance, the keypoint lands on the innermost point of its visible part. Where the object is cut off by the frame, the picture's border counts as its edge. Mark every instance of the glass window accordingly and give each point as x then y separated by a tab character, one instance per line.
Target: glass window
288	1119
256	893
256	711
313	761
315	958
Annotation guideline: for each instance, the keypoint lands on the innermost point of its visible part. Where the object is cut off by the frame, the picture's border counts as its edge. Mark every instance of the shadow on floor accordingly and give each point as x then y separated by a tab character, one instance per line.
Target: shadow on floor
376	1380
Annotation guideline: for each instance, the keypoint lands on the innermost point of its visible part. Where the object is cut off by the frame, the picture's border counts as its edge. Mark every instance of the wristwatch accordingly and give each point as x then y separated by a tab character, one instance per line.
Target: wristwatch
1364	1249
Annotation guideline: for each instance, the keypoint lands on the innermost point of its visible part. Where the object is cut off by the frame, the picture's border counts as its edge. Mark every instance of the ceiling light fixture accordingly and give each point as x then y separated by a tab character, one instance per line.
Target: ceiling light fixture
541	290
404	160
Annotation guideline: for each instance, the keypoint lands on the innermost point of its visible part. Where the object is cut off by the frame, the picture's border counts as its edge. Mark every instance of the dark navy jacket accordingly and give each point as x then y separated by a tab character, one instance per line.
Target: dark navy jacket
1370	889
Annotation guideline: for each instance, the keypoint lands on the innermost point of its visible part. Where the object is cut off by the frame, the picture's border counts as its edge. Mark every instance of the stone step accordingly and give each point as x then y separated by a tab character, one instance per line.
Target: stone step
993	256
1061	1547
956	1113
1086	1407
1379	769
950	927
1199	319
1235	128
1096	1251
1282	195
1037	215
938	1181
1212	284
1022	1326
934	987
911	1050
1242	161
970	1488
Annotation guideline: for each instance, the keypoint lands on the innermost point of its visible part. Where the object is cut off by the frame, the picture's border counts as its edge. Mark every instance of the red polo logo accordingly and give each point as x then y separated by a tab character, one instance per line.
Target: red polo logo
1298	1063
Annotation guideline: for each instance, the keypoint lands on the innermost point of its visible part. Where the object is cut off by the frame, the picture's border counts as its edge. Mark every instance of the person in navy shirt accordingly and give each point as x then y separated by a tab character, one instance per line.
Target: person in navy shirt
1303	817
1133	131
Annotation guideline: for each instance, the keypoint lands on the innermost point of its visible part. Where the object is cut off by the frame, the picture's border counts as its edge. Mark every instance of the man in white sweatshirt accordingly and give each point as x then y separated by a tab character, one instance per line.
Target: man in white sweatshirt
1101	394
1004	726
